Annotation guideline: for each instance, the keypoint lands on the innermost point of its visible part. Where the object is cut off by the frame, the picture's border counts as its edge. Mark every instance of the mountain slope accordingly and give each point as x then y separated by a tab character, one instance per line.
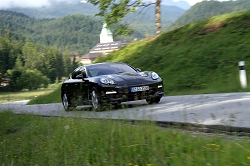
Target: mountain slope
142	21
57	10
206	9
201	57
77	32
181	4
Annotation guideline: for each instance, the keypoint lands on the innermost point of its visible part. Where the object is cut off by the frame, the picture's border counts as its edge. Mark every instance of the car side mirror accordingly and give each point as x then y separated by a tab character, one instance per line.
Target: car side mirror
79	76
138	69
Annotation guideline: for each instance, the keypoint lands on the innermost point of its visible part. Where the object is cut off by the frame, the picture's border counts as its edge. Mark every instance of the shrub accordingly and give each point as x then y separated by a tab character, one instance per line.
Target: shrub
28	79
33	79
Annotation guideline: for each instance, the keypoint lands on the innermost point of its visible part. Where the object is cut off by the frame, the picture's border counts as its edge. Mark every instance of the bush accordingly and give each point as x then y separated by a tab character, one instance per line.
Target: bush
14	84
28	79
33	79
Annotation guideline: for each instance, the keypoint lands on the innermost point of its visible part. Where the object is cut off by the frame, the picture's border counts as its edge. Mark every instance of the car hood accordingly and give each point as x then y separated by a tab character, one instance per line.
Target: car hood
131	79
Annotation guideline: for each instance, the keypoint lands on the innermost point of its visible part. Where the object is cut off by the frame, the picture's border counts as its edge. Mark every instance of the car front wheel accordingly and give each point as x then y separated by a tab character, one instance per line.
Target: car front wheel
95	98
66	104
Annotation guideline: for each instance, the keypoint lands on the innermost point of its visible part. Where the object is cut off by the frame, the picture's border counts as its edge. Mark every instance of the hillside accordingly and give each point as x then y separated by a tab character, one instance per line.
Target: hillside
77	32
201	57
57	9
143	21
206	9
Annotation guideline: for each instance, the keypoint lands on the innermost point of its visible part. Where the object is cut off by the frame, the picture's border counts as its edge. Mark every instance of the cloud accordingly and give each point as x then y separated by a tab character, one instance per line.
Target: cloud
29	3
23	3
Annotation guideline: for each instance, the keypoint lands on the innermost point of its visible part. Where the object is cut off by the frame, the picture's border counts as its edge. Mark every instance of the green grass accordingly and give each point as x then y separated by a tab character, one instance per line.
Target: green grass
201	57
52	97
28	95
34	140
40	96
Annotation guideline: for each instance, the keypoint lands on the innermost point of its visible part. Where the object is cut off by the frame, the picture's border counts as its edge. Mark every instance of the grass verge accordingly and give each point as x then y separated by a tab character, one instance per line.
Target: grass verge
34	140
52	97
41	96
17	96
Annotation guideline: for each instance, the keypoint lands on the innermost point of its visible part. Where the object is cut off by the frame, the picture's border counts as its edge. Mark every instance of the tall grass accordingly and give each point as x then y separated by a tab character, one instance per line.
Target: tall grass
34	140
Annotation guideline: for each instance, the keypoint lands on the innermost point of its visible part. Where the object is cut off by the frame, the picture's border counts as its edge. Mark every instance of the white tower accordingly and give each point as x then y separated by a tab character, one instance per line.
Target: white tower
106	35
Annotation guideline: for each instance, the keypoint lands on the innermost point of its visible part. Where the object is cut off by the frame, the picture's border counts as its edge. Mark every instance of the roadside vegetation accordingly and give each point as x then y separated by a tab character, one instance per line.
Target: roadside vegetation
40	96
51	97
17	96
35	140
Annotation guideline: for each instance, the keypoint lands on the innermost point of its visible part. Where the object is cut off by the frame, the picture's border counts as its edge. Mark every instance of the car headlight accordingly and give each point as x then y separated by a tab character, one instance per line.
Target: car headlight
154	76
143	74
107	81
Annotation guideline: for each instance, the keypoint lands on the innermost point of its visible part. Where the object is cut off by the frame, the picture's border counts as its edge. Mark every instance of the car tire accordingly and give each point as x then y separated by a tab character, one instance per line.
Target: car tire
153	100
117	105
95	100
66	104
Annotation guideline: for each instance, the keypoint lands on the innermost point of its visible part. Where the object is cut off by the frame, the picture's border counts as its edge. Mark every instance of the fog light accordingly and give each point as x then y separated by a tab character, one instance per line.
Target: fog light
110	92
159	86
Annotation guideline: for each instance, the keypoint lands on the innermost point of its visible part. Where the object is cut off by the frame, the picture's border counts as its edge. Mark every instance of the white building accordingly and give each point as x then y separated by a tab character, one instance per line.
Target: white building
106	35
105	46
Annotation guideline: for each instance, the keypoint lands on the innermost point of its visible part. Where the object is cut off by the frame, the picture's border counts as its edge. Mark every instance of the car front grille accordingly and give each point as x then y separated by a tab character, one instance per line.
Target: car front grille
124	94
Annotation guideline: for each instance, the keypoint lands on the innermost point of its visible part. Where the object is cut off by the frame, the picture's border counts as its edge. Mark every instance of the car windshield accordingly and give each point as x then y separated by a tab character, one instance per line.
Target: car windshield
111	68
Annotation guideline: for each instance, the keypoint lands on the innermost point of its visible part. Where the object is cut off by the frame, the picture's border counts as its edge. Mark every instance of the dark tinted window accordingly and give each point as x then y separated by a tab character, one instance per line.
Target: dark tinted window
111	68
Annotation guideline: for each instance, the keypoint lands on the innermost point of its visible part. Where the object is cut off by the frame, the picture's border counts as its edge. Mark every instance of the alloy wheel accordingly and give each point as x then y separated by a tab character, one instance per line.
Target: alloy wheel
95	101
65	101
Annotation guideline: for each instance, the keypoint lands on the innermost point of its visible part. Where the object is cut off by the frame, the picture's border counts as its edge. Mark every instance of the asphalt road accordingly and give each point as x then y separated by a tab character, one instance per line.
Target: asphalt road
229	109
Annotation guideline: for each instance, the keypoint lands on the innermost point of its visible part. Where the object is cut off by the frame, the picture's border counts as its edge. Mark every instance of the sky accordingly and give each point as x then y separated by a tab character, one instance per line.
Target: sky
191	2
26	3
40	3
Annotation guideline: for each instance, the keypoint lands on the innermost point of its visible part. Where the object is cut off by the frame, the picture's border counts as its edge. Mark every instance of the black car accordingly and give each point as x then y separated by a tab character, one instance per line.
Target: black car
108	83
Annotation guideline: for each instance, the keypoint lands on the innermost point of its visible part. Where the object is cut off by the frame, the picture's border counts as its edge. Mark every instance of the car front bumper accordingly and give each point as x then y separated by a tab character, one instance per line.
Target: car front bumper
122	94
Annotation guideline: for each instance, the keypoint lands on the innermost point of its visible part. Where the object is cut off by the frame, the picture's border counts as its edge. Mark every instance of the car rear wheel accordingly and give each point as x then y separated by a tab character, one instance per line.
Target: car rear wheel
153	100
95	99
66	104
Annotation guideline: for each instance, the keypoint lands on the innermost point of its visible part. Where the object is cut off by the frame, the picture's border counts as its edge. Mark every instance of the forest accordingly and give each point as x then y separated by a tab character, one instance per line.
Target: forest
142	20
31	66
77	32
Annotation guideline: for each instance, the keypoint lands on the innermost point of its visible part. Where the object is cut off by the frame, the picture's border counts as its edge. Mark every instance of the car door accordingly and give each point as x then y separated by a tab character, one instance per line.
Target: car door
73	86
78	86
83	87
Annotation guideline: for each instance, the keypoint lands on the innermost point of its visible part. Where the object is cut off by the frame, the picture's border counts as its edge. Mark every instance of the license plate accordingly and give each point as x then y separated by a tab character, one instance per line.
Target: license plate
138	89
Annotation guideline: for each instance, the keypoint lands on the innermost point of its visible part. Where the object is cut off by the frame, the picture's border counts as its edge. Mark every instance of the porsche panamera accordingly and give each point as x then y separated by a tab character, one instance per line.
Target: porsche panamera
102	84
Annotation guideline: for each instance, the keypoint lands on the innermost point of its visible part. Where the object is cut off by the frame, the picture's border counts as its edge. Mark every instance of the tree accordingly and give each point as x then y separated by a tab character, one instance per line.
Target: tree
113	11
30	55
67	62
